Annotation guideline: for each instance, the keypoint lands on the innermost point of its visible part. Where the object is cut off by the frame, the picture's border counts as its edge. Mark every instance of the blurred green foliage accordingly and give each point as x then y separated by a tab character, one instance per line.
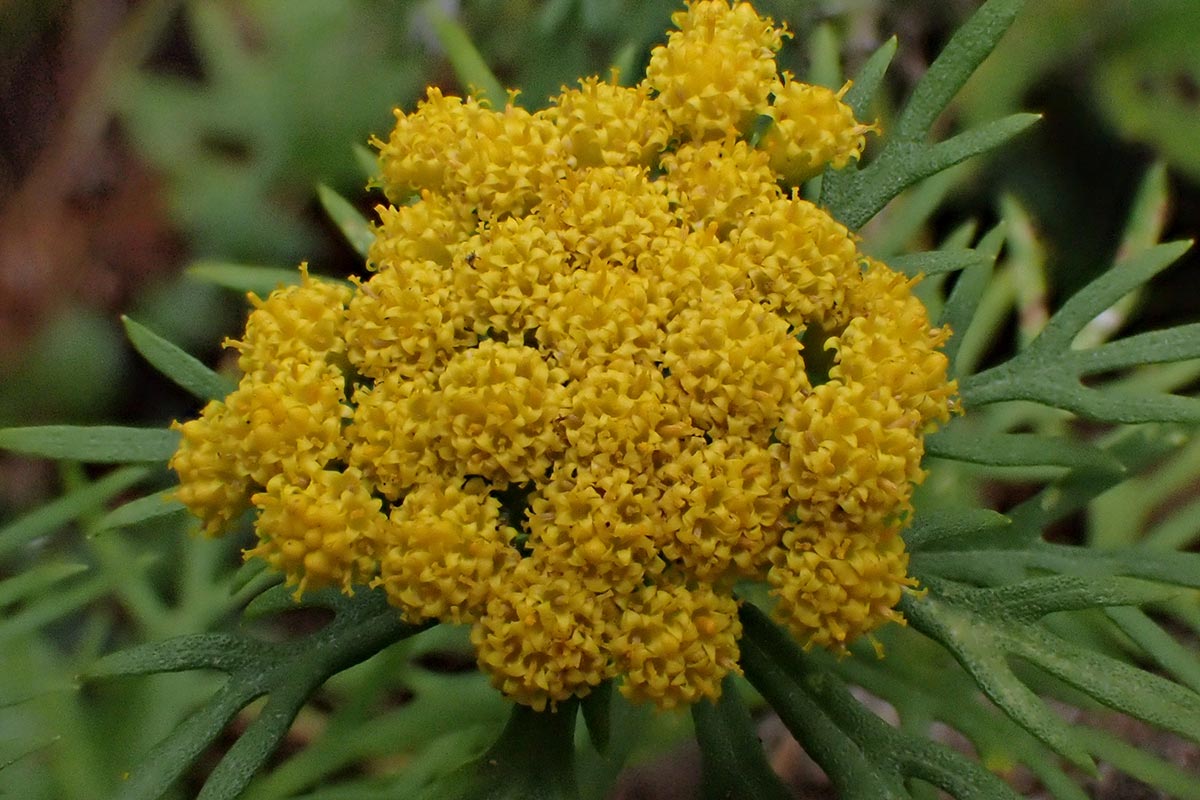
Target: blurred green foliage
236	113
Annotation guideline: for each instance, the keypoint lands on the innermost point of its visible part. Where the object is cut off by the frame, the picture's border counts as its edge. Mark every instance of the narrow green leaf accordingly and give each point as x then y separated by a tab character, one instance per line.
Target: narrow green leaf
70	506
368	162
154	506
1018	449
1155	347
470	67
965	51
1139	763
1169	654
732	757
352	224
1032	599
1114	683
173	362
36	580
534	759
238	766
953	528
102	444
597	715
869	78
51	607
959	311
219	651
976	645
774	669
287	671
1101	293
935	262
243	277
875	759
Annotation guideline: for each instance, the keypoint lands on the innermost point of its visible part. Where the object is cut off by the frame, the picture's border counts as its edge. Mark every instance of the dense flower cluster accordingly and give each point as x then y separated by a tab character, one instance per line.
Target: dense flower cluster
609	363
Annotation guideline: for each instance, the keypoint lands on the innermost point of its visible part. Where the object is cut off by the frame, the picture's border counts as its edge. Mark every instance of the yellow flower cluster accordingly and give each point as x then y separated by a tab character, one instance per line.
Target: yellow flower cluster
608	364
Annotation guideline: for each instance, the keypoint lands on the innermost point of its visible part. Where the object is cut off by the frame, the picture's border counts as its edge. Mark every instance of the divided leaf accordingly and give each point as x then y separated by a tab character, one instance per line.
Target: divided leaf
287	672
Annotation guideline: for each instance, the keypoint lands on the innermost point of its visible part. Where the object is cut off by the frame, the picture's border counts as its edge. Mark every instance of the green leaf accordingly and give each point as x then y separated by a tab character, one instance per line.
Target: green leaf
1174	658
960	309
469	65
76	503
985	628
1049	372
869	78
732	757
179	366
287	672
863	756
243	277
1018	449
532	760
36	580
965	51
950	527
352	224
597	715
854	196
102	444
154	506
935	262
978	651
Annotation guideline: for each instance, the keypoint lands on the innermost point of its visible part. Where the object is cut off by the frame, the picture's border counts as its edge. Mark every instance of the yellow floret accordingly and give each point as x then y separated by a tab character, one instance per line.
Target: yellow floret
294	323
676	644
214	483
618	416
320	531
599	527
405	321
732	364
799	260
715	73
718	181
603	317
603	124
724	504
544	638
441	549
496	410
608	216
835	584
506	276
851	455
810	128
890	344
429	229
391	436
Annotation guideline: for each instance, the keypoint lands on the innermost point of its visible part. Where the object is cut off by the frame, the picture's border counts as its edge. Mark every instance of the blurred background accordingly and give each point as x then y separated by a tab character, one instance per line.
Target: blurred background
139	137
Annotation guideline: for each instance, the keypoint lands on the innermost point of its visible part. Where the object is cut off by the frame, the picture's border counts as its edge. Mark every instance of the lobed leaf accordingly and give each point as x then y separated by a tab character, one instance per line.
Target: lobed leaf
863	756
287	672
732	757
854	196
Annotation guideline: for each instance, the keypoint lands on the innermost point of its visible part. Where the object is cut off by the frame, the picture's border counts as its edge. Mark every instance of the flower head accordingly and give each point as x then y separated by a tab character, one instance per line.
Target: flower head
608	364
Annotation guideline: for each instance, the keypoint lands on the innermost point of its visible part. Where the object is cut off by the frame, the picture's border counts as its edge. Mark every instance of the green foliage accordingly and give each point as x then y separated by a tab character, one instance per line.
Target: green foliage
1004	621
239	179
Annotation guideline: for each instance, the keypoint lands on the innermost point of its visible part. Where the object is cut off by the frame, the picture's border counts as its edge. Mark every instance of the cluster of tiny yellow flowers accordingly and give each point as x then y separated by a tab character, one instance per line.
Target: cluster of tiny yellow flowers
609	363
